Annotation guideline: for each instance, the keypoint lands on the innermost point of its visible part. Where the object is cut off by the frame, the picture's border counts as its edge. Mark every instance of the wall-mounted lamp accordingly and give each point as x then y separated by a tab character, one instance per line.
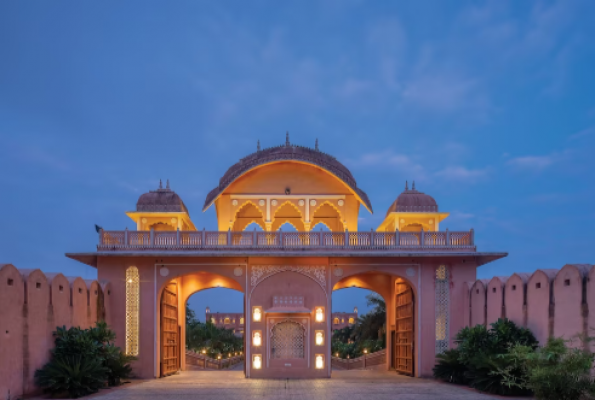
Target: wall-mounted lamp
319	314
257	361
319	338
319	361
256	314
256	338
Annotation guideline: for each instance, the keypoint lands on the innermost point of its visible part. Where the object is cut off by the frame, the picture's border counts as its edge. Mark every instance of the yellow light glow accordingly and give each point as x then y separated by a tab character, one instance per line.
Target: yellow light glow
337	355
132	310
319	361
256	339
256	314
219	357
319	338
204	352
365	351
257	361
319	314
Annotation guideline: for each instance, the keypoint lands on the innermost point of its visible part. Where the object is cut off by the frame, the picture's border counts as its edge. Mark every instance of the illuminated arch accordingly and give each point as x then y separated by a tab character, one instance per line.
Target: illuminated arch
241	224
296	221
326	205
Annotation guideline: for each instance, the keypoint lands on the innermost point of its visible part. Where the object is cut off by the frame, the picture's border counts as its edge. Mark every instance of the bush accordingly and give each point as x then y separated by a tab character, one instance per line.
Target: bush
554	371
450	368
482	358
83	361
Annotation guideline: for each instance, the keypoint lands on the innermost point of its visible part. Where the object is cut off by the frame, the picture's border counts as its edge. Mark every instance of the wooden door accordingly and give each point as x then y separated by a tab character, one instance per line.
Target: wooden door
170	335
405	329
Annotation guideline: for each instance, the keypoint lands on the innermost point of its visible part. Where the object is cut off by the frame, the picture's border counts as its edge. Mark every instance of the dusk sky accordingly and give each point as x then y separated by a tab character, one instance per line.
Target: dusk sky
488	106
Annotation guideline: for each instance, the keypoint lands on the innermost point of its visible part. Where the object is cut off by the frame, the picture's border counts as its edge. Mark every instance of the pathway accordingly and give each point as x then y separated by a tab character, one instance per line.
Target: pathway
352	385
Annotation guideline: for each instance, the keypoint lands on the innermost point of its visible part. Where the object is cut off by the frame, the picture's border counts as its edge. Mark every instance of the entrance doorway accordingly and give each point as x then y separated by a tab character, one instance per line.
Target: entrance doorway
396	330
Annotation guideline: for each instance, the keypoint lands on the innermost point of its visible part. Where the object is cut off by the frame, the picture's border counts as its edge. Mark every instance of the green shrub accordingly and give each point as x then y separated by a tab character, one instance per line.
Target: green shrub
554	371
76	375
482	358
449	367
83	361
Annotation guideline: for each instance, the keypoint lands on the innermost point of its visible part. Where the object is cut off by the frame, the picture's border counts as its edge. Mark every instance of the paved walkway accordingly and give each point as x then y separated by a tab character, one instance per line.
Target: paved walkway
344	385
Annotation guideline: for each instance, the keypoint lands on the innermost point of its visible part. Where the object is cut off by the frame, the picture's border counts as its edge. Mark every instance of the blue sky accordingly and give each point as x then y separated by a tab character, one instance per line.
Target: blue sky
488	106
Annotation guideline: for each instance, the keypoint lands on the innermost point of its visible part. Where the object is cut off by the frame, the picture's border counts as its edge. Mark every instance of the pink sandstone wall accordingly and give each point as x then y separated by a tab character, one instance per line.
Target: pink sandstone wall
32	305
495	298
549	302
478	302
514	299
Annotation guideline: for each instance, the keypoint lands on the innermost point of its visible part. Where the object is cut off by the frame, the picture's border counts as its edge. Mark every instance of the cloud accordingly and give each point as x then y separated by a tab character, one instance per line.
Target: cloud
389	158
462	174
532	162
583	133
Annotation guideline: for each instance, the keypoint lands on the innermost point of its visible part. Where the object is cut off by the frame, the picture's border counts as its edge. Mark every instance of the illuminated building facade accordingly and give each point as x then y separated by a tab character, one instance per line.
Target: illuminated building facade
288	277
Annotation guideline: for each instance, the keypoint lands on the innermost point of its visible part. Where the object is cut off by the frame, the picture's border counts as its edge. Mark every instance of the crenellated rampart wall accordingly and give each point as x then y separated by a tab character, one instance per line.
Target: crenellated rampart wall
32	305
550	302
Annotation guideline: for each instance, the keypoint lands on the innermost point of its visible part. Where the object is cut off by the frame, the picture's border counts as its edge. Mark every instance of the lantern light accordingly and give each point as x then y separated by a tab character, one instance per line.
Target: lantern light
319	361
256	314
319	338
256	339
365	351
257	361
319	314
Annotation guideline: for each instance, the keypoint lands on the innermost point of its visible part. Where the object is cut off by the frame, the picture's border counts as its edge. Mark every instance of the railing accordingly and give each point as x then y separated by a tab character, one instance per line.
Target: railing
279	240
363	362
200	361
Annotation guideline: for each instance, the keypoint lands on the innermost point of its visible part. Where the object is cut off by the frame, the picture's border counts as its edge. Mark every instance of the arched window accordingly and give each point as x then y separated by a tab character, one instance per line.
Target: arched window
336	321
132	310
351	320
226	321
213	321
242	321
442	308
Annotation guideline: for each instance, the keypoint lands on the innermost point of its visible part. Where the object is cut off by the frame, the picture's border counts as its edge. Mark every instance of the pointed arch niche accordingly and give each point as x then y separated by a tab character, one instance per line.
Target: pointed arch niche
288	213
247	214
328	214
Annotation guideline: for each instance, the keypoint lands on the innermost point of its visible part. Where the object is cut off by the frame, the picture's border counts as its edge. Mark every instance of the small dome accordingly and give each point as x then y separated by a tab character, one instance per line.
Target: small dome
413	201
161	200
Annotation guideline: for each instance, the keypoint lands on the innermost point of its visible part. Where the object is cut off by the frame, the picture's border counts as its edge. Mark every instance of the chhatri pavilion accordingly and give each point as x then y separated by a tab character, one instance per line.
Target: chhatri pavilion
423	273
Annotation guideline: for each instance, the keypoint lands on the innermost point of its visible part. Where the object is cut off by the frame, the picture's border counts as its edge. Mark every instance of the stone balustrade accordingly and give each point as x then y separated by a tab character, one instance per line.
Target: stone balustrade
362	362
279	240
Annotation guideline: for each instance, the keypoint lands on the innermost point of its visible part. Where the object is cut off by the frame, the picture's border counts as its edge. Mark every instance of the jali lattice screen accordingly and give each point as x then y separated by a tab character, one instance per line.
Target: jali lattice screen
132	310
288	340
442	308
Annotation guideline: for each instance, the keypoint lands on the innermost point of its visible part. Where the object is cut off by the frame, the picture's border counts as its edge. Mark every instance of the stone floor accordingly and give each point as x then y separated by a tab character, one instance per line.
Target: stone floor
344	385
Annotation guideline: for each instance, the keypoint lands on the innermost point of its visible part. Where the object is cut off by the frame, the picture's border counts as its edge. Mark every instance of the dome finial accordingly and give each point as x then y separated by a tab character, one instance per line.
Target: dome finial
316	145
406	185
258	145
160	184
287	139
167	186
413	186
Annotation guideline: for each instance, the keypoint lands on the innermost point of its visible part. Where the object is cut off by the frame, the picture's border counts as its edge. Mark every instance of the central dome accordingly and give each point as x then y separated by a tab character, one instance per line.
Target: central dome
413	201
287	152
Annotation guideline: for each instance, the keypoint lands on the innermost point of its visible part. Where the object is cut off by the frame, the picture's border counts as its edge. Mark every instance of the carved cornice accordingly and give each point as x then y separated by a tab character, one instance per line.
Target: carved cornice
315	272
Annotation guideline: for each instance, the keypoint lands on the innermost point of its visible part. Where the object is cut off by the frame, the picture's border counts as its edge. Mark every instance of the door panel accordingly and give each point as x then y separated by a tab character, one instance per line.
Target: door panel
405	329
170	335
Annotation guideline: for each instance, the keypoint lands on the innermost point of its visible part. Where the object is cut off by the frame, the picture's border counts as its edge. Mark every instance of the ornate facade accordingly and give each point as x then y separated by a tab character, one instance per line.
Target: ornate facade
287	277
